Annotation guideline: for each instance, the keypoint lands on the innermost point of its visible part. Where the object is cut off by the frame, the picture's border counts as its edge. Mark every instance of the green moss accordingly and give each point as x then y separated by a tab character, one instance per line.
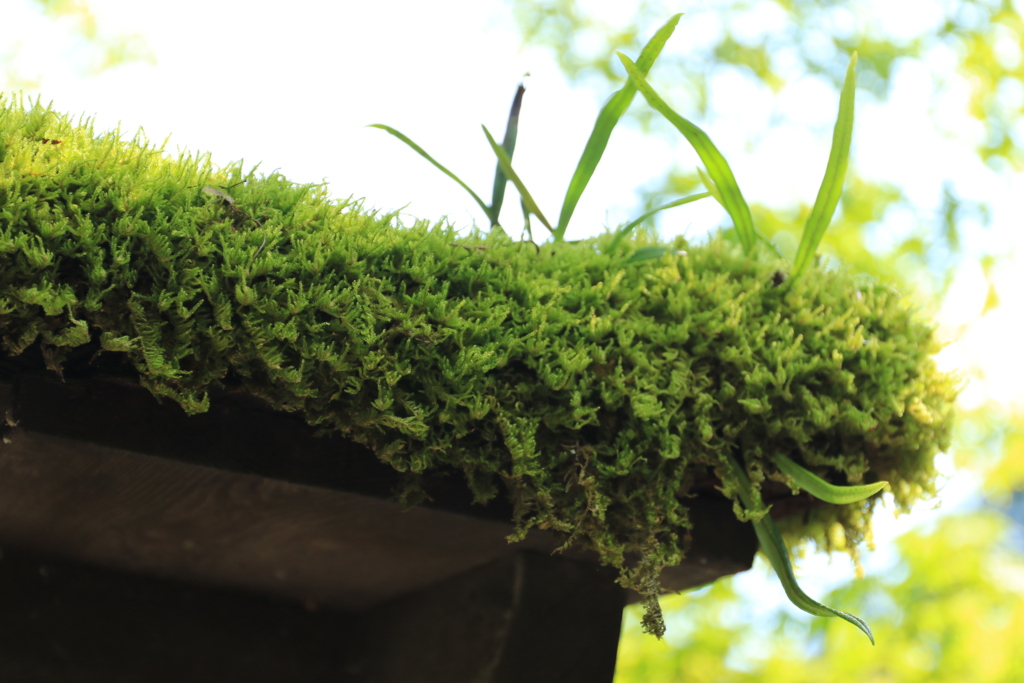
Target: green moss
590	391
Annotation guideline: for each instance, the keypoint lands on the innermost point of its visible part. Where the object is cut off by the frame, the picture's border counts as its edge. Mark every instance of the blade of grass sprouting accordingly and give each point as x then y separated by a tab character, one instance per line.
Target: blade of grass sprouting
710	184
506	166
835	173
509	145
646	254
487	210
713	189
775	550
526	220
610	114
729	191
821	489
624	231
768	243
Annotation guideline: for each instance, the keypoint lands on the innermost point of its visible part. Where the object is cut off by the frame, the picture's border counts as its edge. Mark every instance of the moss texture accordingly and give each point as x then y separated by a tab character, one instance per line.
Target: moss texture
590	391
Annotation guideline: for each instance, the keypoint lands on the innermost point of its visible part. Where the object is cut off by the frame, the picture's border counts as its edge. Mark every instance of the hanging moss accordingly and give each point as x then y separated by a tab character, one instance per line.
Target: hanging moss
590	391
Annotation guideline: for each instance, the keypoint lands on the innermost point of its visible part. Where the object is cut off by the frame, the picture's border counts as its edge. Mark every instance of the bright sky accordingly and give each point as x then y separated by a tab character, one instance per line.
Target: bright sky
293	85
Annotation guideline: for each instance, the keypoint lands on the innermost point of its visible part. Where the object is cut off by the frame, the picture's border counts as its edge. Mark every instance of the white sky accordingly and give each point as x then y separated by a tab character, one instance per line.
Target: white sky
293	85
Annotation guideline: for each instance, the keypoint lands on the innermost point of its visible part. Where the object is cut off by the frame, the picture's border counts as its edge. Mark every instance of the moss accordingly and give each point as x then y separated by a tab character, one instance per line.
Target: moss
590	391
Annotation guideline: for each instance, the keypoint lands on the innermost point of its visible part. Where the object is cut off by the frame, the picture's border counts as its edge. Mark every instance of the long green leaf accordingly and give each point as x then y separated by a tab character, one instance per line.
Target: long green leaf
710	184
775	549
509	145
646	254
731	197
506	166
610	114
821	489
487	210
835	173
624	231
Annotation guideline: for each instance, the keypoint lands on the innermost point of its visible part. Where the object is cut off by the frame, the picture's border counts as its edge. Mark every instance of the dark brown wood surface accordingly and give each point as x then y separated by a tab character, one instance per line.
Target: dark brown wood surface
165	518
69	622
100	472
526	617
143	544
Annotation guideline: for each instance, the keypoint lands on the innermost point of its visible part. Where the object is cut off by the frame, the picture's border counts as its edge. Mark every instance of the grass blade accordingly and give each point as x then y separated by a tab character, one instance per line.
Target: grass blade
713	189
710	184
487	210
835	173
526	221
821	489
610	114
727	188
775	549
646	254
626	229
506	165
509	145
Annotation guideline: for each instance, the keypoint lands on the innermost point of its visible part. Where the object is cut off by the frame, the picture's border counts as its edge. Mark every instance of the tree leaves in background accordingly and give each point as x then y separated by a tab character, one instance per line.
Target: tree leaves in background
945	613
114	50
803	38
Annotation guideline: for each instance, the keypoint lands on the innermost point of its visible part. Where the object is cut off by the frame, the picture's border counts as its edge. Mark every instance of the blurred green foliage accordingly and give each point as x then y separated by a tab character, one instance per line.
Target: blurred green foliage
952	608
806	36
775	42
943	614
113	51
104	51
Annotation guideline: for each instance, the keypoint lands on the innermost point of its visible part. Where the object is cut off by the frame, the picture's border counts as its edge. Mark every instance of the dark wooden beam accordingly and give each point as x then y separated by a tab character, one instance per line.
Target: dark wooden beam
100	471
526	617
143	544
69	622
